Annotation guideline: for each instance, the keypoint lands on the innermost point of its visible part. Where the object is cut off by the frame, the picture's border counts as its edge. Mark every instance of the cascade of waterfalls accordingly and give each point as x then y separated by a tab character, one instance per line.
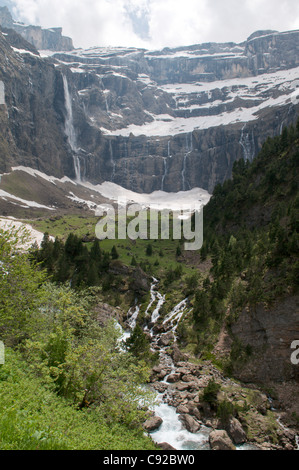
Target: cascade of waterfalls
112	161
133	314
189	150
174	317
168	149
165	173
247	143
172	430
70	130
106	103
165	162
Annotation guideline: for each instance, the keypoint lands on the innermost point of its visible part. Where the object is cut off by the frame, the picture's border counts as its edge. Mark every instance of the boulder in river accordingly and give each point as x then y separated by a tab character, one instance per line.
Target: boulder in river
190	423
152	424
220	440
236	432
165	446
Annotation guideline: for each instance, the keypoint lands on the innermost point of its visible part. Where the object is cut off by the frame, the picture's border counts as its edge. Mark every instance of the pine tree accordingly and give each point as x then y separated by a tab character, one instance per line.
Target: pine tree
149	250
178	251
95	252
114	253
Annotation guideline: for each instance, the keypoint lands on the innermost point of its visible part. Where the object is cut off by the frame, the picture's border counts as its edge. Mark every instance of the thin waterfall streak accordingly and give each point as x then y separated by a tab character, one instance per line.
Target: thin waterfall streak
70	130
164	174
112	161
247	144
133	316
189	150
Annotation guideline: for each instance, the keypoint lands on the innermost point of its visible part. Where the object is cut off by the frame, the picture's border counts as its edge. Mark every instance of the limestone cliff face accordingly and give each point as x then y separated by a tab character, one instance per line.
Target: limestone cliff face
165	120
179	118
270	333
32	117
42	39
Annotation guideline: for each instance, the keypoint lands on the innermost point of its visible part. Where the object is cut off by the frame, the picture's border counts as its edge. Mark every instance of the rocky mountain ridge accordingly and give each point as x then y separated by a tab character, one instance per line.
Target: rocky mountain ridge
166	120
50	39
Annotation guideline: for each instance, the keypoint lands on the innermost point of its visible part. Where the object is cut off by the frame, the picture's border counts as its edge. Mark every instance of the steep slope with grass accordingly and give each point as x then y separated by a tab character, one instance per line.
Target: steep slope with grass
66	383
246	312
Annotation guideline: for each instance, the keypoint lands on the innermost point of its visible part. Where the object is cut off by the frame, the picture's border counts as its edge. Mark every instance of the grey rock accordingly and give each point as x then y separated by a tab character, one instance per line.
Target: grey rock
173	378
236	432
42	39
152	424
165	446
190	423
220	440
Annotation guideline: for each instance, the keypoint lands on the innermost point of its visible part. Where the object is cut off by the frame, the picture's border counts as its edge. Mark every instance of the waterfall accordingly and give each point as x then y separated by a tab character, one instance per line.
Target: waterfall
172	429
165	173
106	102
247	144
112	161
175	315
165	162
133	316
153	294
69	128
157	298
189	150
156	312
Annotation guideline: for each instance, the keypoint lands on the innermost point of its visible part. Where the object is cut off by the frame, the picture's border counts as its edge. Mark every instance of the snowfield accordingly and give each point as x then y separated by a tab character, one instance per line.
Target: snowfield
249	88
159	200
32	235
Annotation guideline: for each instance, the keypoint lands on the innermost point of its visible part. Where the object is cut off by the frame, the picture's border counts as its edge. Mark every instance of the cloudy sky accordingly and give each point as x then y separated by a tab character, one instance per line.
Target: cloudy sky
157	23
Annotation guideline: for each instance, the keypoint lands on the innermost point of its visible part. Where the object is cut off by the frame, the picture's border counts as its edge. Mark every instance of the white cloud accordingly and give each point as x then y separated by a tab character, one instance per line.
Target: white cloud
167	23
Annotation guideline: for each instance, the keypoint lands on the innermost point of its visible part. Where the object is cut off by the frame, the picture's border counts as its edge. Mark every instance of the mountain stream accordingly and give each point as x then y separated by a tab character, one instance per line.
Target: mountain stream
172	429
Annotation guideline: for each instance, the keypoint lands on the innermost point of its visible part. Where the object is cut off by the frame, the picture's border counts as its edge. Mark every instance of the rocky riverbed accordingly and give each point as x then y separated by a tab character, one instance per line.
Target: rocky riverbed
236	415
250	422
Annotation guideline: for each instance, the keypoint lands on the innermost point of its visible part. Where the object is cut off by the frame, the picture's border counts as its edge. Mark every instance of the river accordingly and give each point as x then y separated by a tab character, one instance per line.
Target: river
172	431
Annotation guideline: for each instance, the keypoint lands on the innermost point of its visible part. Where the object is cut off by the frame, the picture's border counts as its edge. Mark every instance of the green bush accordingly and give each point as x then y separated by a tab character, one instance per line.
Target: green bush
210	393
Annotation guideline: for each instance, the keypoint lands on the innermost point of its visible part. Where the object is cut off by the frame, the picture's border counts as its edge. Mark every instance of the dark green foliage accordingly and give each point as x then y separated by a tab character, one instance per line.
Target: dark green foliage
172	275
210	393
178	251
225	411
73	261
114	253
133	262
139	345
149	250
251	237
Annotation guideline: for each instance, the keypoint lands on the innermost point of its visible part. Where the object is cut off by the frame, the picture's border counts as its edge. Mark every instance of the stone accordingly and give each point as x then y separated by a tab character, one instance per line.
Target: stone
177	355
42	39
152	424
220	440
188	378
191	424
160	387
165	446
182	386
236	432
165	339
194	411
173	378
182	409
